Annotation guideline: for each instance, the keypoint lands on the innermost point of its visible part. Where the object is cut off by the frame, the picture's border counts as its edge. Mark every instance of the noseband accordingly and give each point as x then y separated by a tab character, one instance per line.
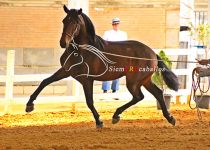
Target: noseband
72	36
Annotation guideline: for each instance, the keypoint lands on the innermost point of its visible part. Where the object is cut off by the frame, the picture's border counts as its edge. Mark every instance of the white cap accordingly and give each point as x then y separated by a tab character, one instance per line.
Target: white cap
116	20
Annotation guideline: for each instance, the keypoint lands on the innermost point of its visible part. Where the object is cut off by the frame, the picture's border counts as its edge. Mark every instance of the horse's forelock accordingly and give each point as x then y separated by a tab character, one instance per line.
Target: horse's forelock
74	13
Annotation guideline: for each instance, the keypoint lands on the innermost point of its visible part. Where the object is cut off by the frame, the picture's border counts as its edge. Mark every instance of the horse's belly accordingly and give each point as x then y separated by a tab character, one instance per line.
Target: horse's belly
110	76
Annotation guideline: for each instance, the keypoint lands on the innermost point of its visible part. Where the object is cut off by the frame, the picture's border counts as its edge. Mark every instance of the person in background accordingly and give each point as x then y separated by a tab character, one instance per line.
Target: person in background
113	35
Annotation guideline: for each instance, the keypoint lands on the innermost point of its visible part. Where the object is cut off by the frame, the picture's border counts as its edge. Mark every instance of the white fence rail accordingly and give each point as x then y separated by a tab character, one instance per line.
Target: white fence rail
10	78
191	55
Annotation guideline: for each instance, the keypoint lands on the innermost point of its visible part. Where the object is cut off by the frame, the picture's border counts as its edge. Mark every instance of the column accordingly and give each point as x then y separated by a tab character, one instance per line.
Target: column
209	12
9	79
77	4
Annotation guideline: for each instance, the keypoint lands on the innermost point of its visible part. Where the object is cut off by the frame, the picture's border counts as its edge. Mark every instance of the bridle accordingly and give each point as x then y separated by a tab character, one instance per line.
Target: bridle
72	36
87	47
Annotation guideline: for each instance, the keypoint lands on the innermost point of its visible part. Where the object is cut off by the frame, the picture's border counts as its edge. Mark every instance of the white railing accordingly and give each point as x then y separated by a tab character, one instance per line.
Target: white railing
191	55
10	78
183	95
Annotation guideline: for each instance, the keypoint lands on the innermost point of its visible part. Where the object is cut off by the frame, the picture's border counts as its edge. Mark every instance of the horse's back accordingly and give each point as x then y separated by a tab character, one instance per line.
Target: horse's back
130	48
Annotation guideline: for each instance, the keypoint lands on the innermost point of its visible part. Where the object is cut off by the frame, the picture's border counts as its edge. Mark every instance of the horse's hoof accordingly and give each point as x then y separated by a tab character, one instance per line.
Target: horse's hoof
115	120
99	126
172	121
29	108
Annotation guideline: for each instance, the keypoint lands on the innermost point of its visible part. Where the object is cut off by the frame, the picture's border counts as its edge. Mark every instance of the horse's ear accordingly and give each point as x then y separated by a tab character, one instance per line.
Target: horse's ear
80	11
65	9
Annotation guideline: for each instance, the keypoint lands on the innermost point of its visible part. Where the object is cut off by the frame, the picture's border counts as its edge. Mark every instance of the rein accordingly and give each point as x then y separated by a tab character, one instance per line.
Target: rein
89	47
72	35
117	55
196	86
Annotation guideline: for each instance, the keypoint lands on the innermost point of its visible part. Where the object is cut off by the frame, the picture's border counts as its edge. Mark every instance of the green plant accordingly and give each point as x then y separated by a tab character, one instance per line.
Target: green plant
157	76
201	34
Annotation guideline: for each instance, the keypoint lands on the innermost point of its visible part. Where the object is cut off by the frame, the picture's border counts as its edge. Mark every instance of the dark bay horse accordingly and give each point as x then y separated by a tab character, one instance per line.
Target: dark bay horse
88	57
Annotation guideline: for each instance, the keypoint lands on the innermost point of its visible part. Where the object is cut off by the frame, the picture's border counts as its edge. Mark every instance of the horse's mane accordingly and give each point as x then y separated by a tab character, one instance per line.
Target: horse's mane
94	39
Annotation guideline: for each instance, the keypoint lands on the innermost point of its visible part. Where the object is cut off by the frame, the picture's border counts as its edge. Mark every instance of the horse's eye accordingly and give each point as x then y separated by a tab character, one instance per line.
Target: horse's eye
76	54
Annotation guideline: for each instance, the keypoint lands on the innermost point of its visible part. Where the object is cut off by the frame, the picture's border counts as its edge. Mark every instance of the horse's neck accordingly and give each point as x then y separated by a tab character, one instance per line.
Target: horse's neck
81	39
85	39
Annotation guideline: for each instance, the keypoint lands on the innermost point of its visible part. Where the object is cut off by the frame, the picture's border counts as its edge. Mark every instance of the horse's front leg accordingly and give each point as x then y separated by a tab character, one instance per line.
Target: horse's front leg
88	90
60	74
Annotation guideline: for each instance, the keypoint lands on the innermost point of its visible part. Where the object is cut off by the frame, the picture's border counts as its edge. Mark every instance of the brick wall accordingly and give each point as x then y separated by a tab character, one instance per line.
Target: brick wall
33	29
154	22
201	5
30	27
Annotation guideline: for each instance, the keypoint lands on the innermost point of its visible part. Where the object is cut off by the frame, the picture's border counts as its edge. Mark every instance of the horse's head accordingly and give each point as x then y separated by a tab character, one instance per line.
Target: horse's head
71	26
71	58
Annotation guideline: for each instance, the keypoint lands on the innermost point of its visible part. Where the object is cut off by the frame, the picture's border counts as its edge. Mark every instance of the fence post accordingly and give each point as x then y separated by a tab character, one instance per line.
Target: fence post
75	88
75	92
191	66
9	79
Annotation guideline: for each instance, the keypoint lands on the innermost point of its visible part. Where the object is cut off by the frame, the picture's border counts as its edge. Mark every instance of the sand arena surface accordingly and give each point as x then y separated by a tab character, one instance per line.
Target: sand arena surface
140	128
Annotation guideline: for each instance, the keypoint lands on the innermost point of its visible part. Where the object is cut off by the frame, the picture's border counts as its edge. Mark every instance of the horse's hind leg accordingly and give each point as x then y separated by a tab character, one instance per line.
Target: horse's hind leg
158	94
60	74
134	89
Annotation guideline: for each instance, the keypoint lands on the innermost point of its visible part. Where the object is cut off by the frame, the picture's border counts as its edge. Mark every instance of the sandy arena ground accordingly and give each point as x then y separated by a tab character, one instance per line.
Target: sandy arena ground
140	128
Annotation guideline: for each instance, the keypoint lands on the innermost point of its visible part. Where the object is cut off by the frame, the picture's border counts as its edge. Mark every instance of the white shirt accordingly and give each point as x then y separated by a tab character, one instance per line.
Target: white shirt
113	35
184	36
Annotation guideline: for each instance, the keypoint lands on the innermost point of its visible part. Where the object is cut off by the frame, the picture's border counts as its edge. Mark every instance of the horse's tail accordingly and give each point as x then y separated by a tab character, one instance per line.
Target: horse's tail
169	77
